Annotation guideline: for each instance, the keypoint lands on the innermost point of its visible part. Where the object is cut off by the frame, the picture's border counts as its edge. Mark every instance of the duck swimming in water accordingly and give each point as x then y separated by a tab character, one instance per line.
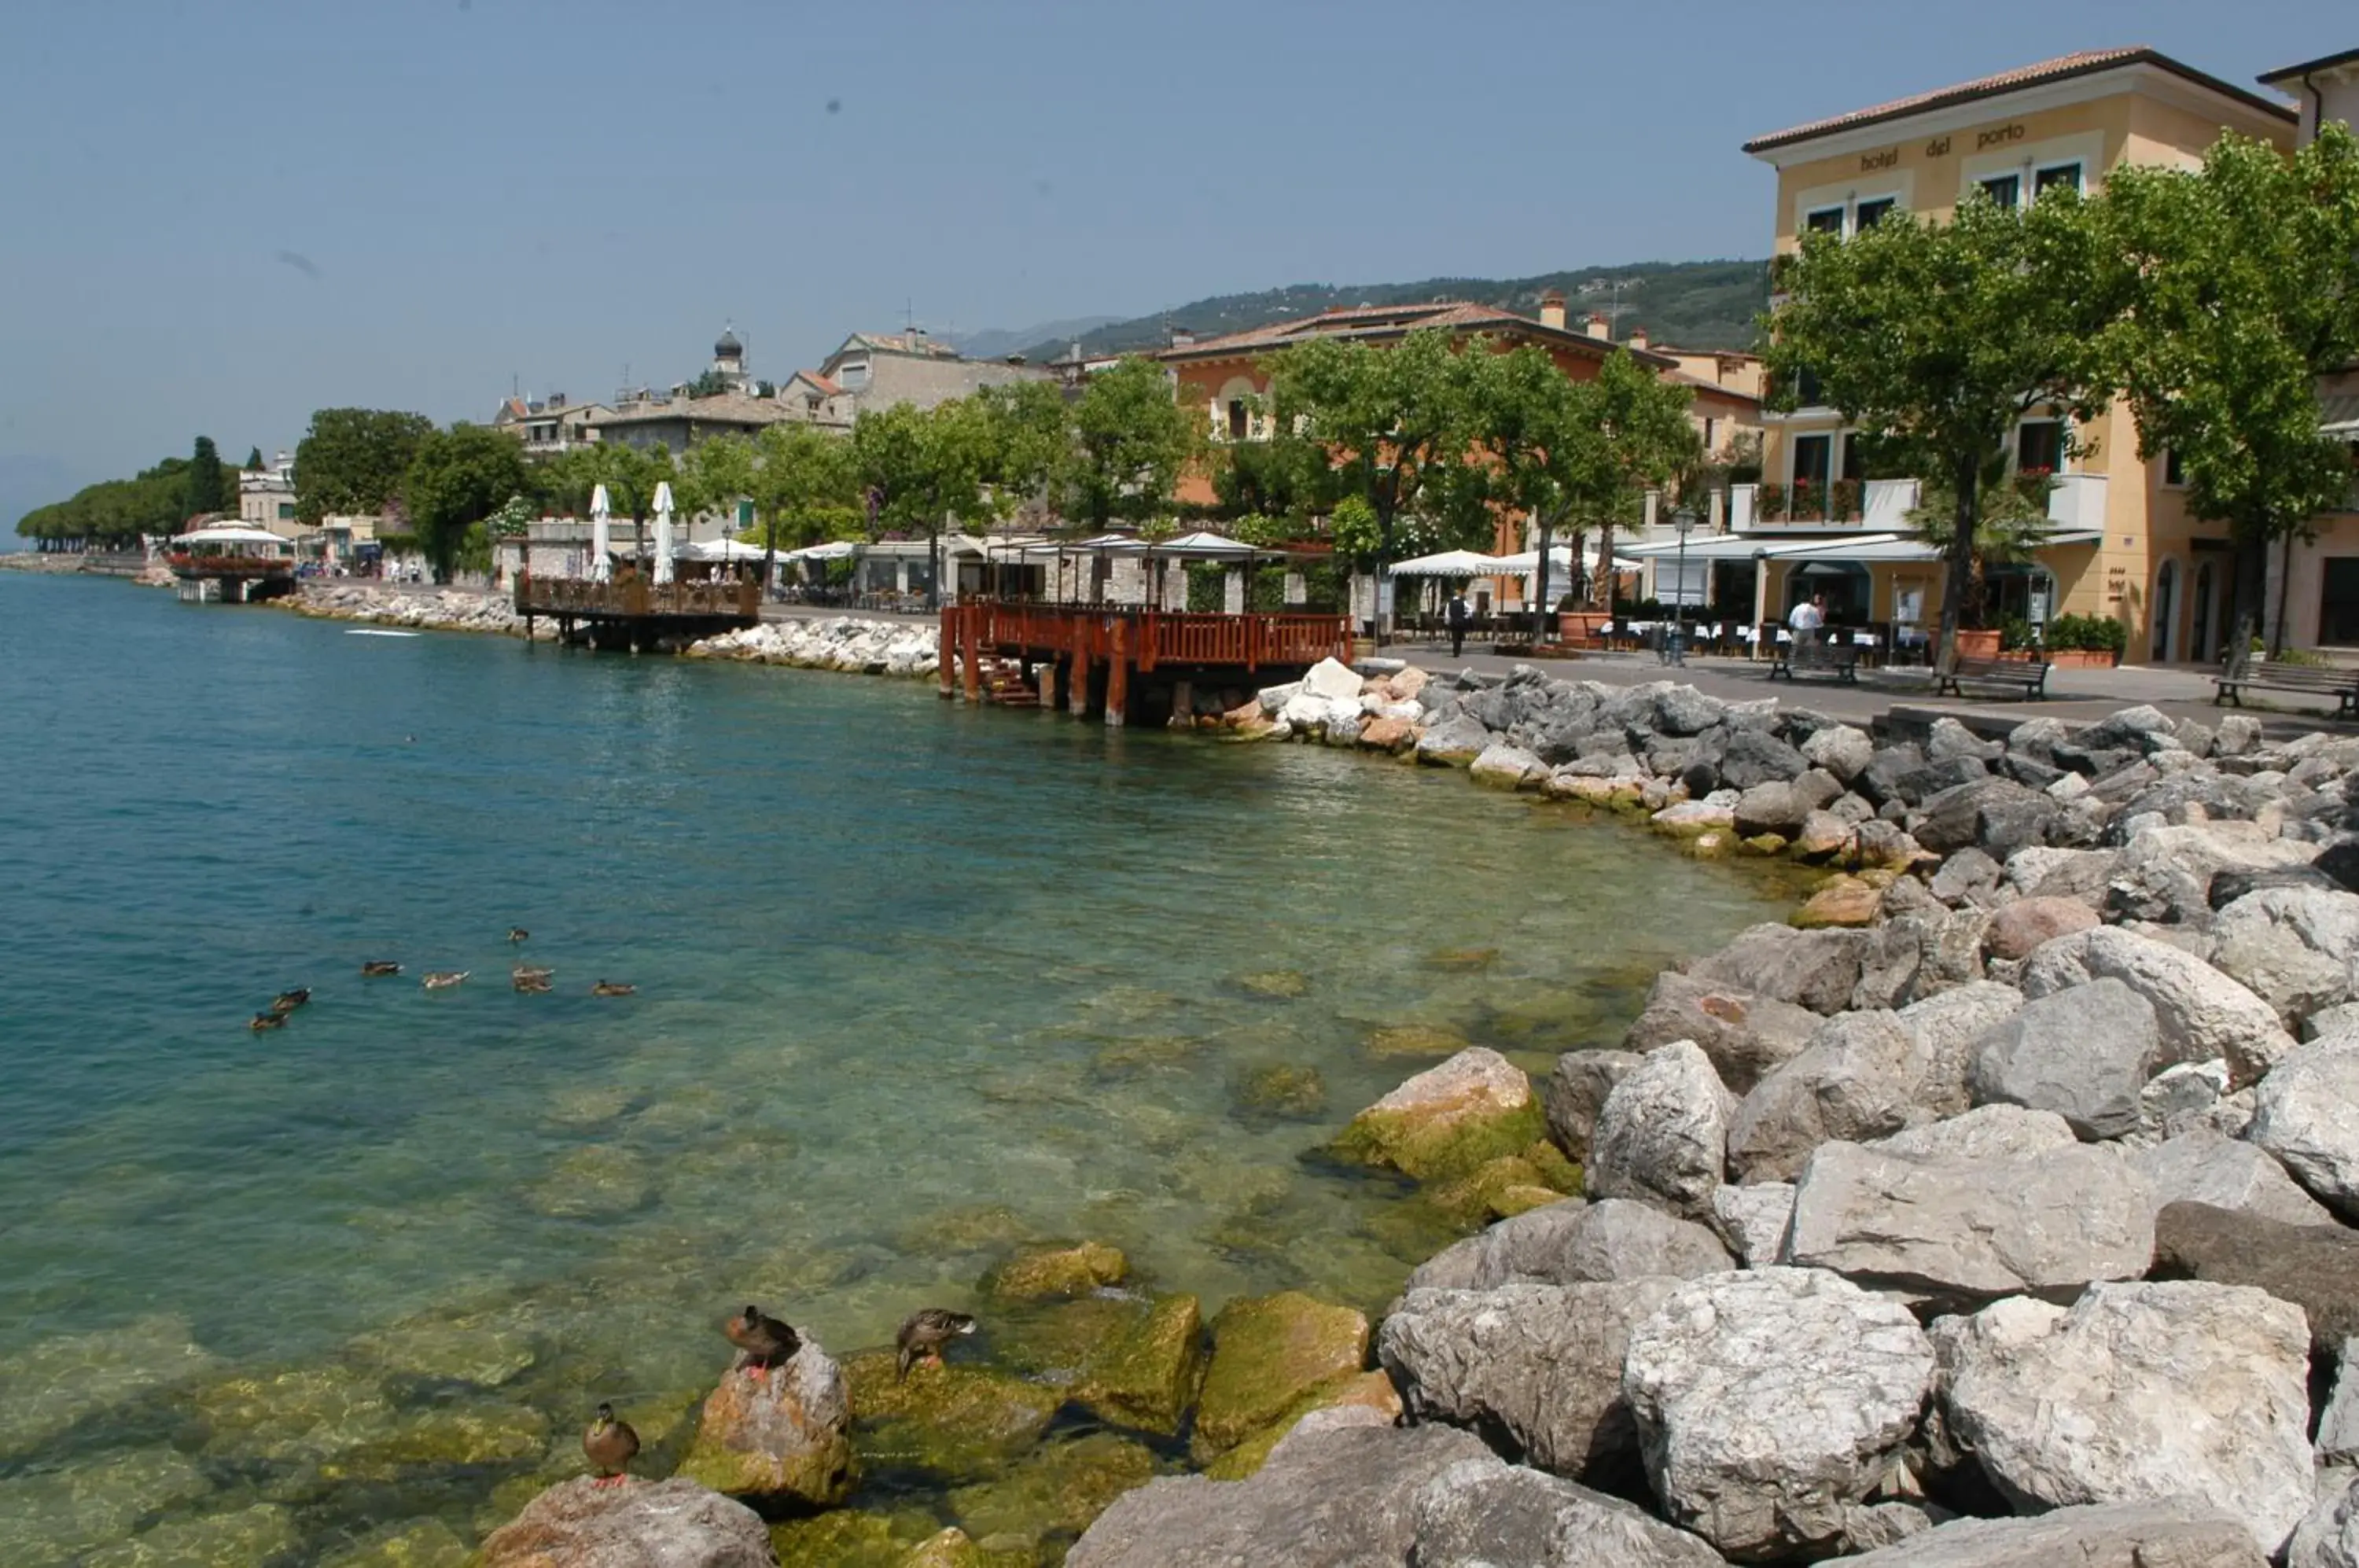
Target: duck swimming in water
267	1021
374	968
518	933
526	977
287	1001
443	979
611	1445
924	1334
766	1341
612	989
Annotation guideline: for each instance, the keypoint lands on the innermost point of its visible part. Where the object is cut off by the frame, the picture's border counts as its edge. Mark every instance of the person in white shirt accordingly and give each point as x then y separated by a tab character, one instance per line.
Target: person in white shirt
1809	617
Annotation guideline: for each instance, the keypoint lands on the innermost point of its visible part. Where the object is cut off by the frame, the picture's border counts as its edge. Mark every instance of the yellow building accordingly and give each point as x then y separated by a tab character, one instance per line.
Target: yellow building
2122	543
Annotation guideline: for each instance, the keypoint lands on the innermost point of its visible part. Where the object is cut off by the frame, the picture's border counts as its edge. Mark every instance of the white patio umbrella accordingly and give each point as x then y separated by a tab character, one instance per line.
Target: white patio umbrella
228	533
663	532
1203	546
834	550
601	535
1451	563
1530	560
725	549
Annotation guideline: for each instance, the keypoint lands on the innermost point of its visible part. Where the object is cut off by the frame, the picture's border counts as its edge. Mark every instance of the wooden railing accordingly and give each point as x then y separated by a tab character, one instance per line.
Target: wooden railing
635	596
1148	637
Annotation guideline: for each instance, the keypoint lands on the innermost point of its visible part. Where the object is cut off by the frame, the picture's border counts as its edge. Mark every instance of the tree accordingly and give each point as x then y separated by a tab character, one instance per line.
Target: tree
456	479
1030	451
1649	442
1939	337
1130	440
918	469
715	475
254	461
2234	288
208	485
354	460
804	488
1545	442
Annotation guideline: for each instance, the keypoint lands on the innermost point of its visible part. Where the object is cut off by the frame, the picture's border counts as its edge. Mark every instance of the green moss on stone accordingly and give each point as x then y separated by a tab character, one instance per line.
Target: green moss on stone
953	1548
1057	1490
1146	1377
848	1537
1434	1146
1417	1039
482	1433
1042	1273
1278	1089
976	1228
1269	1352
1371	1388
957	1422
1281	984
419	1543
250	1535
1475	1198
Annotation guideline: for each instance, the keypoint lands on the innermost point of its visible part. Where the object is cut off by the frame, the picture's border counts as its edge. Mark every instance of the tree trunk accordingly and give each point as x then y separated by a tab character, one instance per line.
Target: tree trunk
1958	580
2252	586
1540	588
2285	587
1605	566
1376	579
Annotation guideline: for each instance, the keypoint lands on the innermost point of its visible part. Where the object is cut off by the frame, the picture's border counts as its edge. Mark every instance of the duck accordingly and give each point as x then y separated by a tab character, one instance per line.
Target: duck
925	1332
765	1340
518	933
287	1001
374	967
443	979
528	977
267	1021
610	1443
612	989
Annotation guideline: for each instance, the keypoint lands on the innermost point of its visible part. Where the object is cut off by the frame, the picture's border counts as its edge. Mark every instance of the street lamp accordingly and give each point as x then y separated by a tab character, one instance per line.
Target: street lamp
1683	522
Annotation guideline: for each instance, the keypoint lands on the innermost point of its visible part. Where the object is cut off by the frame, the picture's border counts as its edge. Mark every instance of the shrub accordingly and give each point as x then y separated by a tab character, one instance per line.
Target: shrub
2094	634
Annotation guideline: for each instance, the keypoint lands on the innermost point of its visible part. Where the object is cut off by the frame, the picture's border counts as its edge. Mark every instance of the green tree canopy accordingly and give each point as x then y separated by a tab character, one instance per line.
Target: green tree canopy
209	487
1940	337
354	460
1130	441
804	486
2234	288
254	461
1029	442
457	479
715	475
116	511
920	469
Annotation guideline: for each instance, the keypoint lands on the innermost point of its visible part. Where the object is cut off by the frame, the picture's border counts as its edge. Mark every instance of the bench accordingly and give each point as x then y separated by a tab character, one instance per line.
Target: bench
1838	660
2031	674
2317	679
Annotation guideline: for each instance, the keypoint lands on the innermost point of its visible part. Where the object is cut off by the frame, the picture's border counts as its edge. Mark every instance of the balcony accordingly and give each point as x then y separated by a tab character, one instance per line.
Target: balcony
1870	504
2077	503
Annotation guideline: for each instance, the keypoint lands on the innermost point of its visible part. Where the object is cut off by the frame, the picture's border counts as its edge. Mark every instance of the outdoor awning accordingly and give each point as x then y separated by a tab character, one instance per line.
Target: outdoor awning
725	549
1560	556
228	533
1206	546
1448	564
1868	548
834	550
1711	546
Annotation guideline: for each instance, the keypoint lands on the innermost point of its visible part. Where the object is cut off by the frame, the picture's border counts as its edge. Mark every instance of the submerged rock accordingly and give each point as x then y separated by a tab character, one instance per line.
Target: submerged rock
419	1543
1269	1352
677	1523
1044	1273
1448	1119
1056	1491
785	1437
56	1383
254	1534
952	1421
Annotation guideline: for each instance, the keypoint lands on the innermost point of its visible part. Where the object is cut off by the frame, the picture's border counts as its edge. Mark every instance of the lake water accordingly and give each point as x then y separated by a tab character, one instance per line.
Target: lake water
914	982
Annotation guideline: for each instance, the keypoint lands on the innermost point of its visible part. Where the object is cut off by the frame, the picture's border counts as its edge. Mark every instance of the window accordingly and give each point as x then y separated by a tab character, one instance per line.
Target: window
2338	602
2039	446
1824	221
1813	462
2055	177
286	511
1851	469
1240	422
1870	214
2007	189
2174	472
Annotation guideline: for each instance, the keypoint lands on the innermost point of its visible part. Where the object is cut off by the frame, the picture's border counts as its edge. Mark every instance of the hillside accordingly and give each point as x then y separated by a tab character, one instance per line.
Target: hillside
1693	304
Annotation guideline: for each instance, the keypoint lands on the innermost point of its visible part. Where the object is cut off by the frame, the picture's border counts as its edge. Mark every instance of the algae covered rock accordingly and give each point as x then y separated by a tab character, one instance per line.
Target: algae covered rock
848	1537
1146	1376
785	1437
1043	1273
307	1414
1448	1119
955	1422
953	1548
1279	1090
482	1432
580	1524
50	1516
1367	1399
415	1543
1269	1352
1056	1491
252	1534
485	1348
57	1382
1416	1040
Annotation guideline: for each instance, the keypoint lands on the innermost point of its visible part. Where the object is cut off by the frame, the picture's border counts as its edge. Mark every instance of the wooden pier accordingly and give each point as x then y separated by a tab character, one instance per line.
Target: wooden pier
210	579
1118	661
636	613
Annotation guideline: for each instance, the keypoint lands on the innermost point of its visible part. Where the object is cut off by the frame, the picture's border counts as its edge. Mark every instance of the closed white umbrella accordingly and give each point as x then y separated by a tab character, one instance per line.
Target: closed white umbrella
663	532
600	536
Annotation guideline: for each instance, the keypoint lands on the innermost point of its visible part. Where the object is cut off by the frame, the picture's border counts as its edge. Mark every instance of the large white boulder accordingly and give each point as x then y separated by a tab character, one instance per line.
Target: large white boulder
1771	1403
2139	1392
1662	1134
2201	1013
2178	1533
2305	1112
2294	948
1334	681
1486	1513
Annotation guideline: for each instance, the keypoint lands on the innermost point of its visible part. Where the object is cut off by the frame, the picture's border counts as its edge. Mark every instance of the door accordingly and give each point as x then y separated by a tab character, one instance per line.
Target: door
2166	612
2204	652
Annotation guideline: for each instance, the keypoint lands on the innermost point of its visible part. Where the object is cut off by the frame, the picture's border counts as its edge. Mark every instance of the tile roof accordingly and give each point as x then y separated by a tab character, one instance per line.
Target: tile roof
816	379
726	408
2060	69
916	343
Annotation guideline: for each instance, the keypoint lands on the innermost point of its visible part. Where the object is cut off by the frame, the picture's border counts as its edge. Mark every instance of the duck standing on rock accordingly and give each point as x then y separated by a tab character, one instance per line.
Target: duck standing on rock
611	1444
443	979
287	1001
376	968
925	1332
765	1340
530	977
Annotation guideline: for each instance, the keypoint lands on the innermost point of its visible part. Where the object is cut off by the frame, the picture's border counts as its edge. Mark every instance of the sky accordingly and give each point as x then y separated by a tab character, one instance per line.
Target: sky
215	218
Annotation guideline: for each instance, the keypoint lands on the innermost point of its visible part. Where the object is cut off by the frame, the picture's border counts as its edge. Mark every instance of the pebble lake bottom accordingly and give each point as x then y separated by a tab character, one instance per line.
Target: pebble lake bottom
916	982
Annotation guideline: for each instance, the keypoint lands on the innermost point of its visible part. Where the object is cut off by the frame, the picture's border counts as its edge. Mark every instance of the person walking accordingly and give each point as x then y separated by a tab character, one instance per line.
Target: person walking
1808	619
1457	615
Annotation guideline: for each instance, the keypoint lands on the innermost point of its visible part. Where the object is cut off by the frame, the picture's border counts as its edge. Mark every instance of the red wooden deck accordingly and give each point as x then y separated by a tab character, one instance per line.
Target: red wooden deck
1129	640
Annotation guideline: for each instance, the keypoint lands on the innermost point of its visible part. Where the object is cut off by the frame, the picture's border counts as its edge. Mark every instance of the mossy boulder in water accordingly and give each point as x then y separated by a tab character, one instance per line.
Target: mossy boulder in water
786	1437
485	1433
597	1182
953	1548
1278	1089
48	1388
249	1535
1449	1119
417	1543
976	1228
307	1414
1369	1392
848	1537
1057	1490
1508	1186
1045	1273
580	1523
954	1421
52	1516
1417	1039
1146	1376
485	1348
1281	984
1268	1353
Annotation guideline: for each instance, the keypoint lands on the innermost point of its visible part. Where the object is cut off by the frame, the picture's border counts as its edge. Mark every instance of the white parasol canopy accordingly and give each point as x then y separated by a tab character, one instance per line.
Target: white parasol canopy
601	538
1560	557
1451	563
227	533
724	550
663	532
1206	546
834	550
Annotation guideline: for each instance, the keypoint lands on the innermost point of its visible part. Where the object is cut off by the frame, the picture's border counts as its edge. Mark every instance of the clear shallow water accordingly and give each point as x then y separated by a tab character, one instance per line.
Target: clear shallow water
915	981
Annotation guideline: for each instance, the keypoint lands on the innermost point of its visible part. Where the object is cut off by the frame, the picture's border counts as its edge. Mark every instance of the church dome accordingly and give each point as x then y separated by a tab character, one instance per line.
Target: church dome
728	347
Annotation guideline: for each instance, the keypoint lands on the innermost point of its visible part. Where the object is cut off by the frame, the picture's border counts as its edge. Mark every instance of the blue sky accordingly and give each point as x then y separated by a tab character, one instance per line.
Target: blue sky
221	217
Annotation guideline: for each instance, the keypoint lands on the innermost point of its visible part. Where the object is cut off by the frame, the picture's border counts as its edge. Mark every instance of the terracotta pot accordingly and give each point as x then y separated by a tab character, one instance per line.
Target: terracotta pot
1978	644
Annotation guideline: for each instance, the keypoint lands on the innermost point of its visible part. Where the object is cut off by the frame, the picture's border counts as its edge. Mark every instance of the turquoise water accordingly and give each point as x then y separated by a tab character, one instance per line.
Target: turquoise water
915	982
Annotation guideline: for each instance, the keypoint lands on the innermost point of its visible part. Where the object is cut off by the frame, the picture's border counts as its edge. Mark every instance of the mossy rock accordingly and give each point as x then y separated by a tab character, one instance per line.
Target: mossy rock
1513	1201
1555	1170
1411	1230
1051	1342
1149	1053
1417	1039
974	1227
1842	901
600	1181
1436	1147
254	1534
56	1383
419	1543
1716	843
307	1413
1766	844
51	1516
953	1548
1279	1090
955	1422
1280	984
848	1537
1462	960
1045	1273
1269	1352
482	1433
784	1439
1146	1377
1483	1194
485	1348
1373	1390
1057	1490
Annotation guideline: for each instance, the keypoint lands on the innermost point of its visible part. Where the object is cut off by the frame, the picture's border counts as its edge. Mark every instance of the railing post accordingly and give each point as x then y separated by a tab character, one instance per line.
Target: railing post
945	652
972	615
1118	675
